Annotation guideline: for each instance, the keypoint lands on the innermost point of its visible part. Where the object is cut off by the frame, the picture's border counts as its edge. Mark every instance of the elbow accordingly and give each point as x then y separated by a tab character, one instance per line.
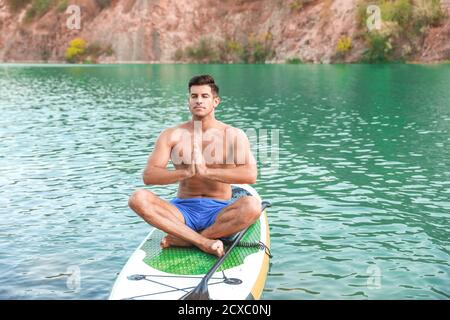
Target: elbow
147	178
252	178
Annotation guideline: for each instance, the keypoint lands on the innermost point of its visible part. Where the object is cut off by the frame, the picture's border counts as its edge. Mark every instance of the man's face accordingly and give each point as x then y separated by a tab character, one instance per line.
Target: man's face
201	101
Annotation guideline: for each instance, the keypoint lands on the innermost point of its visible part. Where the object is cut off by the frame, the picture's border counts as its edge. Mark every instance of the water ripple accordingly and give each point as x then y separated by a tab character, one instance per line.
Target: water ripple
360	196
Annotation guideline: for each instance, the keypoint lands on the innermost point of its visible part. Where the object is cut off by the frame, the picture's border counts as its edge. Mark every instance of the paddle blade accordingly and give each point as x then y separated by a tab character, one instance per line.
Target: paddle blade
199	293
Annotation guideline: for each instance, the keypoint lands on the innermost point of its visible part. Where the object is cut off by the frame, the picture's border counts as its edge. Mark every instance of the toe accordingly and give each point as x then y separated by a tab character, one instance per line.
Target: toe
164	243
218	248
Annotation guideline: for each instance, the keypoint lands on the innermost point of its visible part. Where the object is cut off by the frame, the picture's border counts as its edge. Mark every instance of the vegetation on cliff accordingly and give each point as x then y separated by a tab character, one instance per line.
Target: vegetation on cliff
310	31
252	49
403	26
79	51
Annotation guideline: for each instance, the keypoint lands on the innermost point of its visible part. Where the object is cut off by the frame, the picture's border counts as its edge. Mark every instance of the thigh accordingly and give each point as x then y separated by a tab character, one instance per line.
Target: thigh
168	207
231	211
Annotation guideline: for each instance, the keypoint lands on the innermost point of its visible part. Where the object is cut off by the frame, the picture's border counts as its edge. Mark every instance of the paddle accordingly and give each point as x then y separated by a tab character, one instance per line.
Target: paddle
201	291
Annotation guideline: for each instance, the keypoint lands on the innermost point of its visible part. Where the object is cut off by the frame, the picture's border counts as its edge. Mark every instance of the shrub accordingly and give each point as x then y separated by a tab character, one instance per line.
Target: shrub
297	5
72	54
94	50
379	48
76	50
45	54
230	50
109	51
178	55
78	43
62	5
203	52
38	8
294	61
258	49
261	53
344	44
41	6
400	11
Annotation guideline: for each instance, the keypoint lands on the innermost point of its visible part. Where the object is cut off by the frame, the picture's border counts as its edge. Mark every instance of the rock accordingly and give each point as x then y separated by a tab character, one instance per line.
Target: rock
152	30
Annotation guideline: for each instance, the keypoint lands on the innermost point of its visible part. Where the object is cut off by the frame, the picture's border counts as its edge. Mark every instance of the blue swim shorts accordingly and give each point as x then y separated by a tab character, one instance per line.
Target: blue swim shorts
199	213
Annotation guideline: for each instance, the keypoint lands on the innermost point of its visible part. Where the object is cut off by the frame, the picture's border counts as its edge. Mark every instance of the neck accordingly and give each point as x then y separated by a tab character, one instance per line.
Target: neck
206	122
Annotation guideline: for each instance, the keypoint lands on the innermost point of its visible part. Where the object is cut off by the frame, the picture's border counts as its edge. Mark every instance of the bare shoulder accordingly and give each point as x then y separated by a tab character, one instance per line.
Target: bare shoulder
184	125
172	134
236	132
226	127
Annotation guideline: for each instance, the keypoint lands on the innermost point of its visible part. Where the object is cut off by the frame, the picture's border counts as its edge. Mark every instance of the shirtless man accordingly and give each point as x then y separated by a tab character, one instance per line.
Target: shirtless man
208	156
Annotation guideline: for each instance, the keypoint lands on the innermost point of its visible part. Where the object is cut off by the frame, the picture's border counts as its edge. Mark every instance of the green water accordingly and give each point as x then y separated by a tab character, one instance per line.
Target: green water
360	191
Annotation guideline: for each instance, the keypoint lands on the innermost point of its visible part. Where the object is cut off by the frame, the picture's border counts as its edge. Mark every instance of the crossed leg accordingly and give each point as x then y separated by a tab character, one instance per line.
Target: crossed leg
166	217
233	218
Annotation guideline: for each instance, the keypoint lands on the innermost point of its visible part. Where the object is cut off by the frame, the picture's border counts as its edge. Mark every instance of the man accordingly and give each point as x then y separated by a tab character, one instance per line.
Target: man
208	156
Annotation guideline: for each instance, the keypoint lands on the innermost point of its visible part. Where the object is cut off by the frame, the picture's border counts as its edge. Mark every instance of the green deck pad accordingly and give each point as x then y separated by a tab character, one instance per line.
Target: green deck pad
192	261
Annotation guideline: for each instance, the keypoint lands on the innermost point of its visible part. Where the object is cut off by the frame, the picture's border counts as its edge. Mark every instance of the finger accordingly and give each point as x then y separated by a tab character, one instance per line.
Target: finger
197	159
198	156
194	155
196	140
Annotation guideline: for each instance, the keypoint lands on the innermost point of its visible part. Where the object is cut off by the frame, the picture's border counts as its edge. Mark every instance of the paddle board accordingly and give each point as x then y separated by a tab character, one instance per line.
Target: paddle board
155	273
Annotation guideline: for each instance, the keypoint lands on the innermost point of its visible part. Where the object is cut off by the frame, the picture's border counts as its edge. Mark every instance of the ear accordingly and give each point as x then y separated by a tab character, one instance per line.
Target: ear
216	101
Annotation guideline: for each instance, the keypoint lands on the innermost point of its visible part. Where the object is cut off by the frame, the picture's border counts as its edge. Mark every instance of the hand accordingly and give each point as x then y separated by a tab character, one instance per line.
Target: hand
198	162
201	169
190	171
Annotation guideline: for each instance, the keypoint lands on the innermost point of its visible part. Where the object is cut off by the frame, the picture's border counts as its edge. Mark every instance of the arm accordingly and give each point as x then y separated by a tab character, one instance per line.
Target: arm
156	172
242	174
245	170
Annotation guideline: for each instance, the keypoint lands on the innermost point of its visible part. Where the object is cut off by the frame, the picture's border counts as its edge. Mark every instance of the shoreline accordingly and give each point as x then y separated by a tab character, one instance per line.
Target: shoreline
62	63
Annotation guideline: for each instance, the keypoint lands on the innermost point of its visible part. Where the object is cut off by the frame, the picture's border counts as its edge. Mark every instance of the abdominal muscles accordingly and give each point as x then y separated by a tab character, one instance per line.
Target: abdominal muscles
197	187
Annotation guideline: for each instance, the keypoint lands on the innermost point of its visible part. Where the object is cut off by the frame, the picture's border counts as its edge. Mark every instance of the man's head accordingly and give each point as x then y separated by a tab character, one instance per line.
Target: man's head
203	96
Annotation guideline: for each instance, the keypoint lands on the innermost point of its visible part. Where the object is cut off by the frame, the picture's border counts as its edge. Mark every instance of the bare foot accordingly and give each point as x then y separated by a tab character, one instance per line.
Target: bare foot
172	241
214	247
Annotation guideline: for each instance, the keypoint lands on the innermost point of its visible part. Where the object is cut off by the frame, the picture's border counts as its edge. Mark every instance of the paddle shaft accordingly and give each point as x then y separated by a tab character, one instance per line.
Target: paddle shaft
203	285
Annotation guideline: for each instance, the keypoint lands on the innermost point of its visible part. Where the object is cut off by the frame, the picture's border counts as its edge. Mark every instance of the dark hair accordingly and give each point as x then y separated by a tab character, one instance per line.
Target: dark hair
204	79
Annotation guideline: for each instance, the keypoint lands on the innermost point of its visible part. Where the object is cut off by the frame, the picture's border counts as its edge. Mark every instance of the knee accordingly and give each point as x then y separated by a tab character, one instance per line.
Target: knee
251	209
139	198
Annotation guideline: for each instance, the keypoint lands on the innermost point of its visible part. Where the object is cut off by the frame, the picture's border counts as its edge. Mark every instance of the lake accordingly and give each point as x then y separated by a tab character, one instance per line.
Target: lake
359	178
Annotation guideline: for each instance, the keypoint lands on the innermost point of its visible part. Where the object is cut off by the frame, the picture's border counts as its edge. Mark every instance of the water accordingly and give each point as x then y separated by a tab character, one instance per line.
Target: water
361	195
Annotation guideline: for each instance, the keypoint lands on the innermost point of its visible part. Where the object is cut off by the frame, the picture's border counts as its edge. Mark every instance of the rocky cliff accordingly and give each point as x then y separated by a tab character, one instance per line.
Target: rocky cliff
171	30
